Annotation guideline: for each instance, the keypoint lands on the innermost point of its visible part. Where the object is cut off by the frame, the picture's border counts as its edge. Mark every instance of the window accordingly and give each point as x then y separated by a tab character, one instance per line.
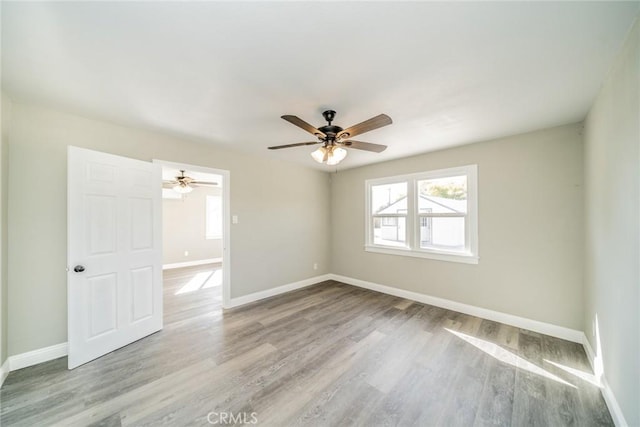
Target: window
213	217
429	215
389	214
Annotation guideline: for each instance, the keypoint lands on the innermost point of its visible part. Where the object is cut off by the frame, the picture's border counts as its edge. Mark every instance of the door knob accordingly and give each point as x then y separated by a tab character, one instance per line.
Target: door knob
78	268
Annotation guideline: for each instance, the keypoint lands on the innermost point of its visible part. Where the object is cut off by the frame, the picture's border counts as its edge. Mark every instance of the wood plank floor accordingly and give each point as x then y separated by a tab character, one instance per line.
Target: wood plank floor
330	354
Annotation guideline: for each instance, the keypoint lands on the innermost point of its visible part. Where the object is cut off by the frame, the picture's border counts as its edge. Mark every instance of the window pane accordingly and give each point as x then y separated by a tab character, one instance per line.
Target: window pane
443	195
442	233
389	198
390	231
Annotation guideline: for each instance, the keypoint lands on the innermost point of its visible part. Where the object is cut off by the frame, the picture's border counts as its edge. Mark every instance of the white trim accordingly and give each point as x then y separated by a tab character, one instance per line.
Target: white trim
612	404
470	255
46	354
497	316
589	350
34	357
191	263
441	256
256	296
4	371
607	393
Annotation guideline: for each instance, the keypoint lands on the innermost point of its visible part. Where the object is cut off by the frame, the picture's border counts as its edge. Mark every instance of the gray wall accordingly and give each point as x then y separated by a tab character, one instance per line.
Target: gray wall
184	228
5	112
283	212
530	228
612	203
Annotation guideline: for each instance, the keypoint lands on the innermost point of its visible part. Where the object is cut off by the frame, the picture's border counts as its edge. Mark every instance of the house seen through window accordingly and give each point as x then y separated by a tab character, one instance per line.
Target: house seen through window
431	214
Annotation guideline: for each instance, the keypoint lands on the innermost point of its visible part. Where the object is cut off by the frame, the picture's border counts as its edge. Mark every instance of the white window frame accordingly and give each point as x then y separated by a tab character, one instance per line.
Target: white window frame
412	248
208	233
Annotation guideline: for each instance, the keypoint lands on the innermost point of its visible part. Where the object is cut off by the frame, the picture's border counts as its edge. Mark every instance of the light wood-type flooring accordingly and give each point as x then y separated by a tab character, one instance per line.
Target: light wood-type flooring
330	354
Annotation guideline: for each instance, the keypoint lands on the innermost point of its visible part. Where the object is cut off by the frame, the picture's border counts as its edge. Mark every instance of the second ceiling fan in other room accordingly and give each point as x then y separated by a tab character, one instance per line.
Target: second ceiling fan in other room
184	184
335	139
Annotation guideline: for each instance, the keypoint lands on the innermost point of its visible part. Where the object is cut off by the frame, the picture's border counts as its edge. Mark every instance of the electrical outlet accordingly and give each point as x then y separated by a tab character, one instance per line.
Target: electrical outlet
234	219
186	253
315	265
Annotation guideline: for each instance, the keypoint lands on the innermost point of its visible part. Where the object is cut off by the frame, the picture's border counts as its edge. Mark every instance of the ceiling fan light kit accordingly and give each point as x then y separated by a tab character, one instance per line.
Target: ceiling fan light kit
319	155
182	188
334	139
331	155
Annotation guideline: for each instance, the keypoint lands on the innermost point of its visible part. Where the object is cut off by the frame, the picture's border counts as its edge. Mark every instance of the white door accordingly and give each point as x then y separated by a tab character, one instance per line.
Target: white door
114	255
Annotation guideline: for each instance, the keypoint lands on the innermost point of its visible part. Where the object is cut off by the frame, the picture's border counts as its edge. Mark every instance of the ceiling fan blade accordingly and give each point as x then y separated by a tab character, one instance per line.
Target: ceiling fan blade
366	126
204	183
359	145
169	182
299	144
297	121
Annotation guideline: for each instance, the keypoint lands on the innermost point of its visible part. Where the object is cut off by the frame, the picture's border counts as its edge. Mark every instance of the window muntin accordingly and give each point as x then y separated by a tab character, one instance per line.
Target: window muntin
430	215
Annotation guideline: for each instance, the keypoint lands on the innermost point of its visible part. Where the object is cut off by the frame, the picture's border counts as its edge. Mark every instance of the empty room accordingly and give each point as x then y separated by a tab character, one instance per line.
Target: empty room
320	213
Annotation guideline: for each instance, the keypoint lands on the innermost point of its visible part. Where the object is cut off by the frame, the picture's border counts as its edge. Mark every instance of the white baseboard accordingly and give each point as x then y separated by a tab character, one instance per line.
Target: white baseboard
612	404
589	350
256	296
34	357
191	263
46	354
607	393
497	316
4	371
509	319
30	358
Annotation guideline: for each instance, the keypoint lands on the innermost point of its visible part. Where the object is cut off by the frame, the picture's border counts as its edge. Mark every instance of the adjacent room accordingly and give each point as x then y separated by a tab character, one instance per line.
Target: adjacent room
192	242
320	213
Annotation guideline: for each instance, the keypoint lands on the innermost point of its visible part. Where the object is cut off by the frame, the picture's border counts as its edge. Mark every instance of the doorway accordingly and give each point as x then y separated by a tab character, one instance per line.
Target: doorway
196	237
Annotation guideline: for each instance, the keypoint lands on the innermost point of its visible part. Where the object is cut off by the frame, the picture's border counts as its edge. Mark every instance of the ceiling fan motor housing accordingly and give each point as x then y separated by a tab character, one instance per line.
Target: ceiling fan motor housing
331	131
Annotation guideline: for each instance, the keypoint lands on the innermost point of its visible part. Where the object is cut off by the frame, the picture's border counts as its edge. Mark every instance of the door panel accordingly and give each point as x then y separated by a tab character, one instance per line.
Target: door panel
102	224
114	226
142	224
142	286
102	304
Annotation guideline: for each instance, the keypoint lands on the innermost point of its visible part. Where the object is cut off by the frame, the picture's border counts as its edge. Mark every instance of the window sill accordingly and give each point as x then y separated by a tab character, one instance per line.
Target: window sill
440	256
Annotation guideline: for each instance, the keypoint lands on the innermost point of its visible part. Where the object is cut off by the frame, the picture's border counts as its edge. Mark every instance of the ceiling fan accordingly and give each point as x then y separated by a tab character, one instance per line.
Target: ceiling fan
184	184
335	139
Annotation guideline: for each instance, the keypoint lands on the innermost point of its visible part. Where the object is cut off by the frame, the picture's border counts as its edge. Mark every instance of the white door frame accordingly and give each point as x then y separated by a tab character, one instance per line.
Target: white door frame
226	219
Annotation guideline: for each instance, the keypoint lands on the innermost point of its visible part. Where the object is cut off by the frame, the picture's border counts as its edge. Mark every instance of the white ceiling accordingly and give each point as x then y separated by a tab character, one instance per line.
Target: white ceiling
224	72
